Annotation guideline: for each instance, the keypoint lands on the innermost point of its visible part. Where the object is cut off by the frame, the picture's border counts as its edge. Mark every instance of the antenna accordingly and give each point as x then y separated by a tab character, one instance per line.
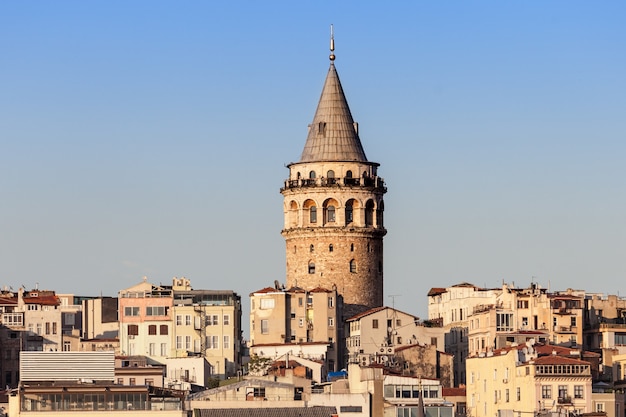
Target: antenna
393	300
332	43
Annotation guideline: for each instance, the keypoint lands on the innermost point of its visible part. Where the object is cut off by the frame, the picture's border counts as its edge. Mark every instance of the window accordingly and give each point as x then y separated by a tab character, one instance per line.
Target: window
330	214
506	395
265	327
546	392
518	394
187	320
188	342
133	330
578	391
179	320
267	303
163	329
311	248
54	327
152	349
156	311
47	327
131	311
67	346
353	266
131	381
562	391
573	321
331	322
163	349
152	329
149	382
330	247
226	342
312	175
331	302
349	211
351	247
226	320
179	342
215	342
375	324
313	214
311	267
258	392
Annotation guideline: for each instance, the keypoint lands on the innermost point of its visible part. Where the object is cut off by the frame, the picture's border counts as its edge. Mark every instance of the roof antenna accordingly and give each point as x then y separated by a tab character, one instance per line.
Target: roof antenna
332	44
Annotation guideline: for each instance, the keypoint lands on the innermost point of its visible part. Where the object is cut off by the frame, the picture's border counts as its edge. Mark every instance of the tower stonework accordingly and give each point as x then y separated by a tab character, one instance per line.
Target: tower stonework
333	207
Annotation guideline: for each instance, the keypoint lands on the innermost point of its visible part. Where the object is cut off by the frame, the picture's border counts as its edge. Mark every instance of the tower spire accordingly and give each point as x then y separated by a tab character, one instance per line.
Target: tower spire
332	44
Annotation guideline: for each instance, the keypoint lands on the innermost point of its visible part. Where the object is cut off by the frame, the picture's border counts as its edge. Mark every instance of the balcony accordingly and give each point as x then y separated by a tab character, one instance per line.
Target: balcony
565	329
369	182
565	400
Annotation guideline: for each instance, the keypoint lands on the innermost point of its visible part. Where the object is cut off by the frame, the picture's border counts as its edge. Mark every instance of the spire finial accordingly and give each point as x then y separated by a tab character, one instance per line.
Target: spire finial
332	43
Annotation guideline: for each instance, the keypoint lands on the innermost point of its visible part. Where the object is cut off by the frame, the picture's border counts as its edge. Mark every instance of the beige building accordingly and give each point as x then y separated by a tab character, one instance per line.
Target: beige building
333	208
528	379
307	323
100	318
207	324
481	320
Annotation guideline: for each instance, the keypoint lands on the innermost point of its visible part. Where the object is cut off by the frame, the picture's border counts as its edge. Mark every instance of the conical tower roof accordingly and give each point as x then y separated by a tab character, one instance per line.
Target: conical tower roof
333	135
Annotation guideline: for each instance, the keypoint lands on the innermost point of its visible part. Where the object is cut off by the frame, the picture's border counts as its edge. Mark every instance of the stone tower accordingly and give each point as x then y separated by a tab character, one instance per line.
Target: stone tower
333	205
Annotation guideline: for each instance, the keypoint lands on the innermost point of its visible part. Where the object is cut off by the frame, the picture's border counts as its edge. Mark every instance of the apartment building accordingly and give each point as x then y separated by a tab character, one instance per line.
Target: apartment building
480	320
207	323
528	379
146	321
303	320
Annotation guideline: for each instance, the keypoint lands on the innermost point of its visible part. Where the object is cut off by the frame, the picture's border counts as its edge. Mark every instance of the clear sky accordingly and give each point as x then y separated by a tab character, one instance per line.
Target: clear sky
150	138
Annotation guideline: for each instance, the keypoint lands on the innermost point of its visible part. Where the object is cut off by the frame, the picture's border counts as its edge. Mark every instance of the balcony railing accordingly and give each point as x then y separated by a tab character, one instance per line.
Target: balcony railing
375	182
565	400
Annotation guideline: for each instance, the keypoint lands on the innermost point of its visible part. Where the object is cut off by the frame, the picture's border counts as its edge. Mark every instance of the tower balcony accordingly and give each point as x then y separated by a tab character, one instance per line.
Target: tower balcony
366	182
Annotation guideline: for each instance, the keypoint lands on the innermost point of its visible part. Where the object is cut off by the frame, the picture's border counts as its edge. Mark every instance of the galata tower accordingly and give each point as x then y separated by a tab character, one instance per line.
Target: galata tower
333	205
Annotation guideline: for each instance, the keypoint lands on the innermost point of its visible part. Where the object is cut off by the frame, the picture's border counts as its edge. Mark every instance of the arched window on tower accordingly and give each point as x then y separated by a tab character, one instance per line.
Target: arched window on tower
311	248
349	212
312	175
330	214
369	213
330	177
313	214
351	247
311	267
330	247
353	266
379	214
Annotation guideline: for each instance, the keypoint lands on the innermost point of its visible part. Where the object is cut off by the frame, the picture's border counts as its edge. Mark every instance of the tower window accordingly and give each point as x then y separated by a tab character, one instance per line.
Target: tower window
353	266
351	247
348	174
330	174
330	247
369	213
330	213
313	214
311	248
321	128
312	175
349	211
311	267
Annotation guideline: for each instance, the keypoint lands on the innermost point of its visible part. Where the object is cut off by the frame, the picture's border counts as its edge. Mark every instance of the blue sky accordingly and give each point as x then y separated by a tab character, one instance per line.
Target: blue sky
150	138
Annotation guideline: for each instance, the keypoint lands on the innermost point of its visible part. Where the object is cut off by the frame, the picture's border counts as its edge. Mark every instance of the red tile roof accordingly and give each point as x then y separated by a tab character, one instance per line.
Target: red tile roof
453	392
47	300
